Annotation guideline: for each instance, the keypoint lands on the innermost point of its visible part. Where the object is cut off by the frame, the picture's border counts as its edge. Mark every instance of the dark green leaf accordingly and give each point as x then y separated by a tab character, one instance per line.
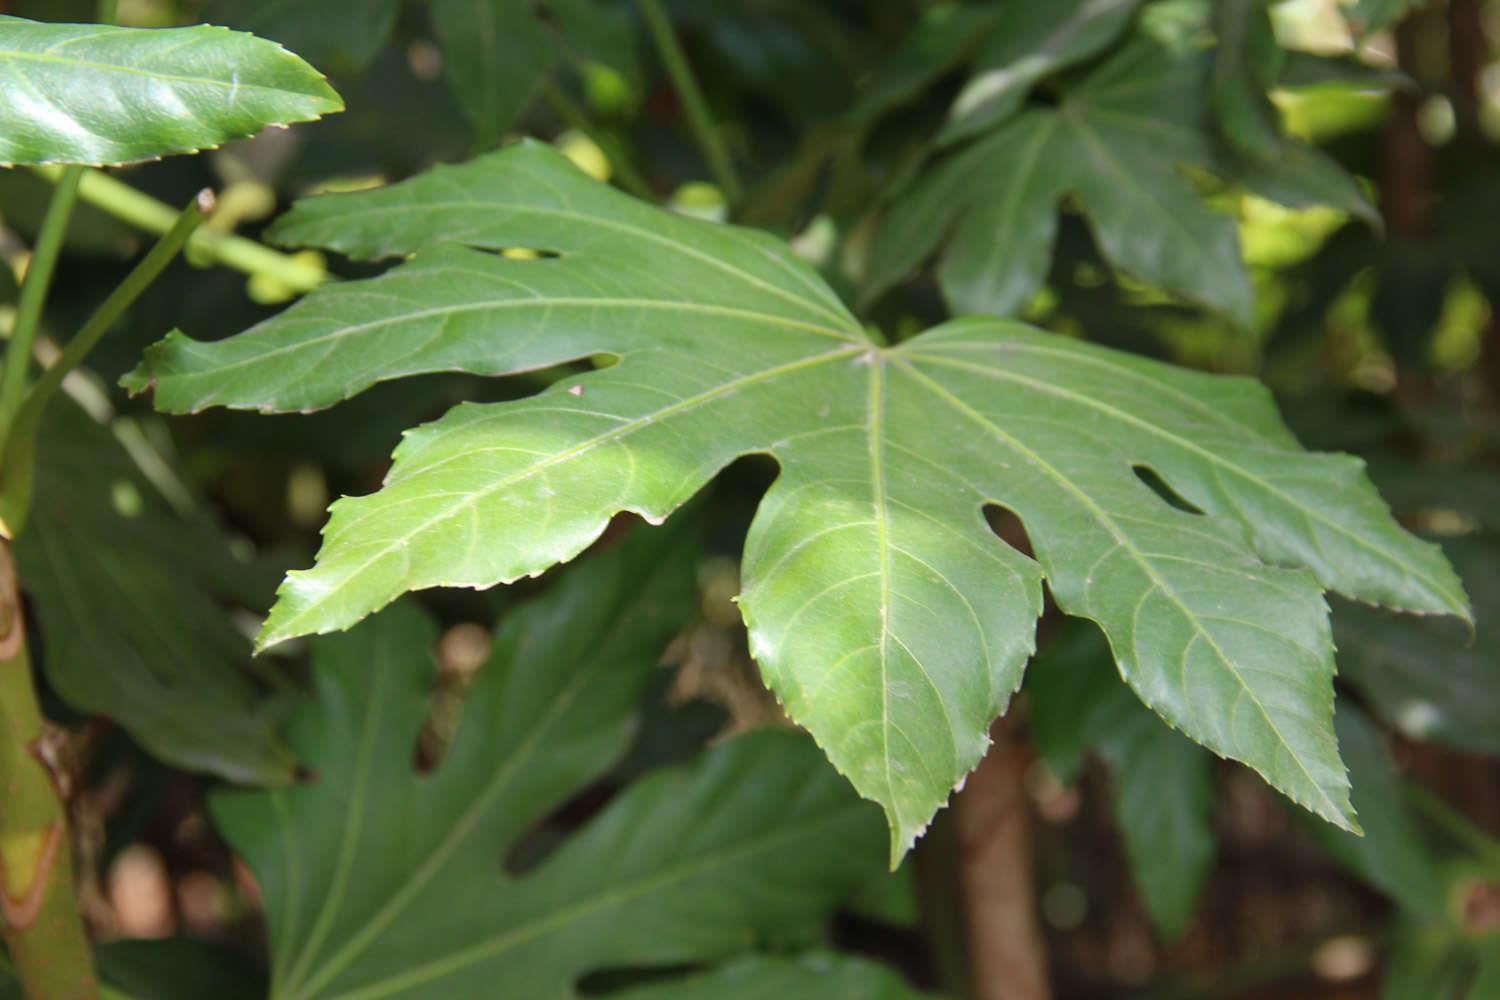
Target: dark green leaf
379	881
943	37
1033	39
1115	141
496	53
92	93
882	610
131	601
820	976
1394	853
1430	681
1163	785
1247	63
339	36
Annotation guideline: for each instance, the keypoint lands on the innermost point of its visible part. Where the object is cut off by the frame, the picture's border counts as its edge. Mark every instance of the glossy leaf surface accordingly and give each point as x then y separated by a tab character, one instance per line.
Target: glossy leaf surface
99	94
882	610
383	882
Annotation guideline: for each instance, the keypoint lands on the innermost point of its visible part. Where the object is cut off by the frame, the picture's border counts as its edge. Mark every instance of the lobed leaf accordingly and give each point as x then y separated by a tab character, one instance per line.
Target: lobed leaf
1115	141
690	865
99	94
883	611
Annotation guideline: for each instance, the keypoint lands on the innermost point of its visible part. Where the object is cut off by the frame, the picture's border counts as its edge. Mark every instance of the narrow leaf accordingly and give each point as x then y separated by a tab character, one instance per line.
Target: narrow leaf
98	94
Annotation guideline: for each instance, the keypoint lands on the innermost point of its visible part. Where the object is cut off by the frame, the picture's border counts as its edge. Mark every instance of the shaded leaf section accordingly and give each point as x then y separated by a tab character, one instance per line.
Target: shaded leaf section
1162	784
496	53
882	610
383	882
1115	142
1033	39
822	975
1433	680
99	94
338	36
133	604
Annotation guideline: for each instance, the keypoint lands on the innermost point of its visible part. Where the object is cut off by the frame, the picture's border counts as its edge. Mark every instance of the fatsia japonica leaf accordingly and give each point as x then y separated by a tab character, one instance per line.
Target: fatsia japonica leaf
883	611
1115	142
1162	785
340	36
1032	39
383	882
821	975
99	94
106	564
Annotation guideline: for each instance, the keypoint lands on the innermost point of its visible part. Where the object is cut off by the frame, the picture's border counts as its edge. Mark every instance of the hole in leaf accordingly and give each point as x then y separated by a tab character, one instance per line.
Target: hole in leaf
1159	486
1007	526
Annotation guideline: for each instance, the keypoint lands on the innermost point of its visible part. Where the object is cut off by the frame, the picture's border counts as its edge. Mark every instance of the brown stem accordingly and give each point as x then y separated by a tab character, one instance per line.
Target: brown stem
39	918
1406	158
1007	956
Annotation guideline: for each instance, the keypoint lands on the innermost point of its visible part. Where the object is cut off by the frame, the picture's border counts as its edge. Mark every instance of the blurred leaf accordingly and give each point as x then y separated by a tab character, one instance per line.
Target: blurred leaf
1425	962
890	898
692	864
943	37
1300	175
131	603
99	94
337	36
603	33
23	202
1032	39
496	54
1115	141
1431	682
179	969
869	565
1163	785
1394	854
1247	63
817	975
1371	16
1308	69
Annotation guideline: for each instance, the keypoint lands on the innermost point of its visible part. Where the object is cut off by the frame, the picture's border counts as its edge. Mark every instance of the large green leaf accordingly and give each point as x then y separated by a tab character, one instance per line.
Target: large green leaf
1163	785
340	36
1430	681
133	602
1115	142
883	611
383	882
93	93
1033	39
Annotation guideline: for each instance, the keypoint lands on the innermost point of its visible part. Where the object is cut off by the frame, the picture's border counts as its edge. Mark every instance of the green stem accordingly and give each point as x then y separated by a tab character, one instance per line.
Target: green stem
34	293
18	454
41	927
570	112
145	212
693	102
